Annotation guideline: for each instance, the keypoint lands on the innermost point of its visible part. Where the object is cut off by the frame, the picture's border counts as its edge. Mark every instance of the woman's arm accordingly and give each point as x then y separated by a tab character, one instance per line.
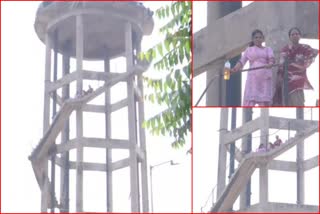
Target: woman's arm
237	67
309	54
271	59
241	62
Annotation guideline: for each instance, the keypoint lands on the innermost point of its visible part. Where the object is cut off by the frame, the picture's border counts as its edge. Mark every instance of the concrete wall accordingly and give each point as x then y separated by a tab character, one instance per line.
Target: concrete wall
230	35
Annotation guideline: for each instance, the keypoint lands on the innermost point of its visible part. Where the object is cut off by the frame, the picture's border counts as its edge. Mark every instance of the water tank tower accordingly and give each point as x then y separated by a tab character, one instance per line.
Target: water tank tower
90	31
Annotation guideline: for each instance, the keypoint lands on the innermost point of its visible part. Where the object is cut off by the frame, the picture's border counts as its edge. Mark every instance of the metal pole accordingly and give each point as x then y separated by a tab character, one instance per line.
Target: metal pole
289	130
151	184
285	83
232	74
151	189
232	145
233	86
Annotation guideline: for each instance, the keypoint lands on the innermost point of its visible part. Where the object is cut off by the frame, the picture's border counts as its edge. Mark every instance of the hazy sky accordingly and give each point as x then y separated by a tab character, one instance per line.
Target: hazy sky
22	71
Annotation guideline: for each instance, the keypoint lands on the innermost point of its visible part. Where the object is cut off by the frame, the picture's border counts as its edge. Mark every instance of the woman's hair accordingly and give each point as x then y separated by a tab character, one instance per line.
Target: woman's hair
294	28
256	31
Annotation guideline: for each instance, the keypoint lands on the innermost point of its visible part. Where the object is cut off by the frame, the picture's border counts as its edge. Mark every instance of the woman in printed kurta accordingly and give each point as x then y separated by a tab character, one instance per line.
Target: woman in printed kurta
300	57
258	88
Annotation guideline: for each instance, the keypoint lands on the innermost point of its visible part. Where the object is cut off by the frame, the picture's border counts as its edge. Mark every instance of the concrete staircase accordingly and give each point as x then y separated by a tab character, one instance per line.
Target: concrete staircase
249	164
47	143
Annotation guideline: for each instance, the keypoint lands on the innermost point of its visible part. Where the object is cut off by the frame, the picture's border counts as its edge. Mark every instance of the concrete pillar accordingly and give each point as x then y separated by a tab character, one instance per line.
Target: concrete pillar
264	126
300	160
64	175
134	182
79	114
54	112
222	152
264	138
45	188
109	192
263	185
216	94
46	121
245	195
232	145
46	112
143	146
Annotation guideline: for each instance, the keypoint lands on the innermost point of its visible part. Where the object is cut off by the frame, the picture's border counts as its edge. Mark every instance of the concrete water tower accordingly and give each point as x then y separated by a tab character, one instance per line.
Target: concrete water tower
99	31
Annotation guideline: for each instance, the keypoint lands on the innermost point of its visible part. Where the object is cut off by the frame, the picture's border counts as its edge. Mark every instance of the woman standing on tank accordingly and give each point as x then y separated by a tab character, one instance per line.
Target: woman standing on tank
258	88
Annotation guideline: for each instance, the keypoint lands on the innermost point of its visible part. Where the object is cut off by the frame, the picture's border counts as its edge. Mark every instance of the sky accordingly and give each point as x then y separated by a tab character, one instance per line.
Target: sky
22	72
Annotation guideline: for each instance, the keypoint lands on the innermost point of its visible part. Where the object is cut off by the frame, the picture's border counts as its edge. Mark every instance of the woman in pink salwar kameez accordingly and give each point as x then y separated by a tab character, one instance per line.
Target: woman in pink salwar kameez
300	57
258	88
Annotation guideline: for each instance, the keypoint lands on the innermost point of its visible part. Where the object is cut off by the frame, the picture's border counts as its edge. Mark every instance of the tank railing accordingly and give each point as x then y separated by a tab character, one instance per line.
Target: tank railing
211	196
218	75
285	82
205	90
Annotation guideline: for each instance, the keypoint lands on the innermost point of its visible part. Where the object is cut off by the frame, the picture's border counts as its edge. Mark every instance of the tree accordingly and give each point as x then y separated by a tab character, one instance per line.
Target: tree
173	58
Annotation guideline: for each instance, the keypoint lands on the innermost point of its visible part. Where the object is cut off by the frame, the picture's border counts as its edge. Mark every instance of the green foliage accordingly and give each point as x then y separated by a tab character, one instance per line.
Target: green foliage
173	58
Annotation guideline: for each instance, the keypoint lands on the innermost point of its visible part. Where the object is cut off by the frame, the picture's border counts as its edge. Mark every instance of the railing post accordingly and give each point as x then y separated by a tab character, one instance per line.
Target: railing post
285	83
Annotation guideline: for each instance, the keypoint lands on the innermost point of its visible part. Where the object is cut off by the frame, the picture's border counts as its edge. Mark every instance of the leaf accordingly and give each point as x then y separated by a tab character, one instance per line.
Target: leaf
141	56
186	71
187	54
144	124
153	53
160	50
166	64
158	14
178	7
161	65
174	42
173	11
187	46
163	131
167	10
167	45
175	58
163	13
173	91
181	54
177	74
147	55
